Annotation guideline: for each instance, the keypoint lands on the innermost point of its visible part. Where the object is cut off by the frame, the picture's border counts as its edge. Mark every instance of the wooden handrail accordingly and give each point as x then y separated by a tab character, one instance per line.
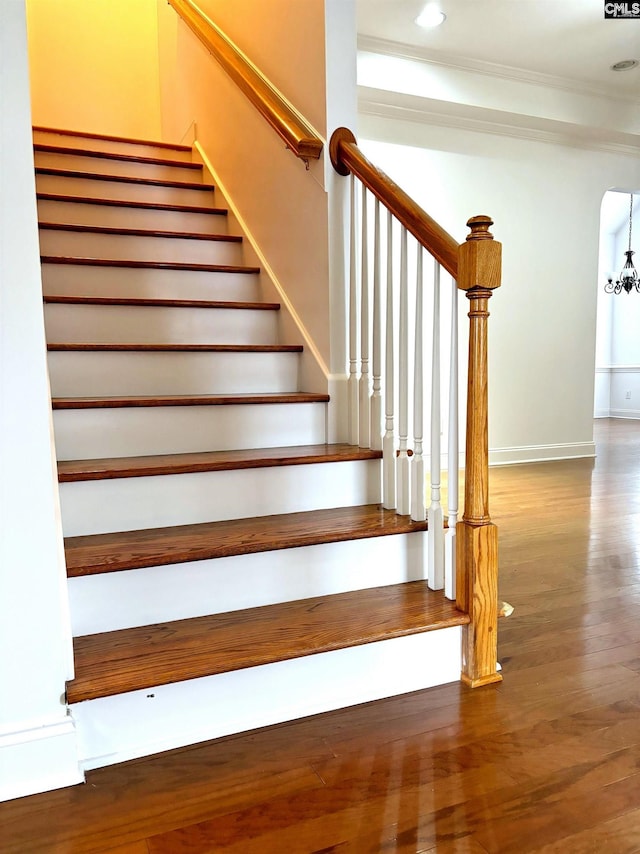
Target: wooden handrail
296	133
347	158
476	266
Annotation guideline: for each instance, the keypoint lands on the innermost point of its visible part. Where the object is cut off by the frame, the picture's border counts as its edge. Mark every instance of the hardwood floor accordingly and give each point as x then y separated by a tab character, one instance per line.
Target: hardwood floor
548	761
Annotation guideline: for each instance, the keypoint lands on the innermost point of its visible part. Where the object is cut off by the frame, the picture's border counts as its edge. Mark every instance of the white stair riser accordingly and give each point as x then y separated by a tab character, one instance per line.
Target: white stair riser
104	189
117	146
77	213
141	597
80	280
140	723
129	504
154	324
111	374
132	431
109	166
133	248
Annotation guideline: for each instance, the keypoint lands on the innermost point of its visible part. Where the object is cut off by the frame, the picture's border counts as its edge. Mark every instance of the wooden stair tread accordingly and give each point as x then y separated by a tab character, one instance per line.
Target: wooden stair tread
48	148
117	467
124	203
153	265
110	138
175	348
123	179
146	302
93	554
139	232
143	657
185	400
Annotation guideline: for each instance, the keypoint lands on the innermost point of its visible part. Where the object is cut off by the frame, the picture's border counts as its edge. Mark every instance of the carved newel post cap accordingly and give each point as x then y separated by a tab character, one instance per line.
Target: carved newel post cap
479	258
480	226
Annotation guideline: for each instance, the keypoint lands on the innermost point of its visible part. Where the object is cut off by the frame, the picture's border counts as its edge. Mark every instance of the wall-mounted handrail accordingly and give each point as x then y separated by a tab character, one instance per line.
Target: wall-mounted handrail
347	159
296	133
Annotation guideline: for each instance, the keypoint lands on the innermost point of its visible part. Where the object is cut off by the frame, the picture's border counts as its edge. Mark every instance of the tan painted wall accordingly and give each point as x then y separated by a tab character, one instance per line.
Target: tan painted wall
94	66
284	206
285	39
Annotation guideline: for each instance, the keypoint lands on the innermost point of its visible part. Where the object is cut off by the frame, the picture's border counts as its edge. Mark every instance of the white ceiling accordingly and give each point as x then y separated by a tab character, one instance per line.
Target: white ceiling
563	38
566	39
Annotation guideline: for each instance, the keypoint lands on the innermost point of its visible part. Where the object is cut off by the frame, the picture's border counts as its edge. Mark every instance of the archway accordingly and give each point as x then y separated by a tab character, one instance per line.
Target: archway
617	380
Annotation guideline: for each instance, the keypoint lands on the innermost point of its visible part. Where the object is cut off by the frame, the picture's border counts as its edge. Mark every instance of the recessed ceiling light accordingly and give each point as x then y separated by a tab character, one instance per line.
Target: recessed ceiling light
624	65
431	16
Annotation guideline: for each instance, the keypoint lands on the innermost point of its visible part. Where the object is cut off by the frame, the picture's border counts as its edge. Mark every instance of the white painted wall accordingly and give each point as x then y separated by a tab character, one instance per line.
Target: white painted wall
545	200
37	739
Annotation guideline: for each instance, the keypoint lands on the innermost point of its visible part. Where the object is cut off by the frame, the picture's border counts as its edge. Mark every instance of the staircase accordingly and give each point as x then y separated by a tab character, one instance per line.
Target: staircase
227	567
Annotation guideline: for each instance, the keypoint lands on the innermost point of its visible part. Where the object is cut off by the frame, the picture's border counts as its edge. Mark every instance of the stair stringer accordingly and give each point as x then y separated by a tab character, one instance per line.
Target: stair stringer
139	723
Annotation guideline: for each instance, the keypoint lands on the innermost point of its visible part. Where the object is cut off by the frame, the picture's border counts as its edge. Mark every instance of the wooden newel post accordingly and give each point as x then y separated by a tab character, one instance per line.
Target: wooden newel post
479	271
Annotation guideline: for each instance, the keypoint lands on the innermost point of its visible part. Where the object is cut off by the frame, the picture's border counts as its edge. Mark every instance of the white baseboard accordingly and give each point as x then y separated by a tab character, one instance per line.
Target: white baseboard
541	453
624	413
141	723
39	759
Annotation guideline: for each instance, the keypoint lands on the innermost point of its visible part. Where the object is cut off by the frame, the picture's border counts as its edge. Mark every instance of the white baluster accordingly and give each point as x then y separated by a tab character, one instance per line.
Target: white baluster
452	453
435	515
403	474
353	323
364	411
418	509
388	444
376	398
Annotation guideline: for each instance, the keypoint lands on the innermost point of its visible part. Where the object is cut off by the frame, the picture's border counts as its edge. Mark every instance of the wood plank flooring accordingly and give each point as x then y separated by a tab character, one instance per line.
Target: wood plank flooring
548	761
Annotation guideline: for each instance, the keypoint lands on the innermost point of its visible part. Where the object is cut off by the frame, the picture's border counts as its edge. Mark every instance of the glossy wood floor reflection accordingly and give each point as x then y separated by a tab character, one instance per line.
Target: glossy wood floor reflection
548	761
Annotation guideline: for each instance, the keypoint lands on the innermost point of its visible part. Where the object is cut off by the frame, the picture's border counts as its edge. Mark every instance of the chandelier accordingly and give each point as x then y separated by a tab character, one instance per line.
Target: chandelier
628	275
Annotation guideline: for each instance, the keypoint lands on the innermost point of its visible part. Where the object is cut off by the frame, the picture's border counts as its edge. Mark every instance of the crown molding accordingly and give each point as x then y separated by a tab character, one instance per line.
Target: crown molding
394	105
374	44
